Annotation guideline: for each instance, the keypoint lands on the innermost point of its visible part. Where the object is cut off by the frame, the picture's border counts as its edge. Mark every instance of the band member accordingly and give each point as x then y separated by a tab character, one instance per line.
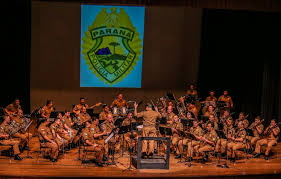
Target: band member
82	117
5	138
169	115
192	91
68	125
19	120
229	133
47	109
12	109
208	142
225	116
212	97
177	127
210	100
213	121
271	137
47	140
97	132
192	108
149	120
119	102
108	126
237	141
211	111
78	107
59	132
227	99
88	137
197	132
257	128
243	119
104	113
130	138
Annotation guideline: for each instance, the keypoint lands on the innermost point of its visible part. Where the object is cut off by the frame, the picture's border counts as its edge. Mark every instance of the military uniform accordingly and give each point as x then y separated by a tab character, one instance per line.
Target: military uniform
253	139
127	136
270	140
103	115
233	146
59	130
119	103
23	136
82	118
216	126
78	108
69	123
113	143
228	131
190	145
245	122
88	135
45	131
149	120
228	101
205	147
47	111
13	109
4	129
176	137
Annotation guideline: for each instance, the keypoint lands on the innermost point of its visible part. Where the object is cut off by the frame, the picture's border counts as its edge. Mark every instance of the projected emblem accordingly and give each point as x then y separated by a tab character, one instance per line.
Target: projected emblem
112	45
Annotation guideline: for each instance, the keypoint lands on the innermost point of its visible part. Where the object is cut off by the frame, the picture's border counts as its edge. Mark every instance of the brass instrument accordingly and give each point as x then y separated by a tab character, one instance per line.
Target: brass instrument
254	126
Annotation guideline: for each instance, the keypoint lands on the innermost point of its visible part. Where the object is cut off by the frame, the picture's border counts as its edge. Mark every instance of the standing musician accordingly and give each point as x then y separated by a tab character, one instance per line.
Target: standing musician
88	136
47	109
257	128
243	119
107	127
210	100
227	99
212	97
22	135
48	140
271	137
68	126
119	102
197	132
208	142
5	138
229	132
78	107
237	141
12	109
192	91
104	113
149	120
176	126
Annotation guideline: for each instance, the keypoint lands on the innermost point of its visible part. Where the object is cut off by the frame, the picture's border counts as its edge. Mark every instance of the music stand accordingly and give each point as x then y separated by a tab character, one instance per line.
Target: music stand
27	127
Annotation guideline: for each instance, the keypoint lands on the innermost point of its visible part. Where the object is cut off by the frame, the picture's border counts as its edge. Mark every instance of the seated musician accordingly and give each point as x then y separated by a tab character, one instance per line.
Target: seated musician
68	126
169	115
176	127
88	136
271	136
237	141
210	100
21	134
130	140
229	132
243	119
227	99
213	121
78	107
197	132
82	117
113	144
104	113
119	102
48	140
208	142
225	117
257	128
47	109
5	138
12	109
192	108
211	111
59	132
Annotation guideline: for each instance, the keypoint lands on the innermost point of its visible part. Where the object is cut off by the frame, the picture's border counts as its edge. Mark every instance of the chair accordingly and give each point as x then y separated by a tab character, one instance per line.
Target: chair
41	147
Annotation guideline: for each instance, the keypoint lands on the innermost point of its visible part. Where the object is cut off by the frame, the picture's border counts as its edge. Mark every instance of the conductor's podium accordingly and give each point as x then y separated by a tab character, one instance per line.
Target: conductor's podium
156	161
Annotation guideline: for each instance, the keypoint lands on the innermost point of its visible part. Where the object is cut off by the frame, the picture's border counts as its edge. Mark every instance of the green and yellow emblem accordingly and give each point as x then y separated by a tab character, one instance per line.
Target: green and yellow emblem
111	46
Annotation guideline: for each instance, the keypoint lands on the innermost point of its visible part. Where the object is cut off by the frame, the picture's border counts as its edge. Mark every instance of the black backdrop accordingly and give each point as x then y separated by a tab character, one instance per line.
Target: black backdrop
235	48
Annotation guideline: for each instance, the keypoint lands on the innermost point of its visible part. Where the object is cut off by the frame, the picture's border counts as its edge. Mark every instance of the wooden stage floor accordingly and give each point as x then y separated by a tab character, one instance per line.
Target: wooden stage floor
69	166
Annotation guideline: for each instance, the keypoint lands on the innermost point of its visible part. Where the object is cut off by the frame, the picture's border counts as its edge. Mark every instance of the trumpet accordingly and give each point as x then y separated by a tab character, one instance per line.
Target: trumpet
254	126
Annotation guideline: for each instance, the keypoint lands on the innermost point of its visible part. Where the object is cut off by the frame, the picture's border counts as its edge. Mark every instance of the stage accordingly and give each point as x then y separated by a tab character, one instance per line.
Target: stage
69	166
